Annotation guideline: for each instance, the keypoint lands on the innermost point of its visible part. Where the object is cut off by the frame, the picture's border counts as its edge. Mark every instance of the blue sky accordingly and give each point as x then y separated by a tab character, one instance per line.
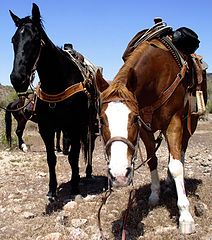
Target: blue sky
101	30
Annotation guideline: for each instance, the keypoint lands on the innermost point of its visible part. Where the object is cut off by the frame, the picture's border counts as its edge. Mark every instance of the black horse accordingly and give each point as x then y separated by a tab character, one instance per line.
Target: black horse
22	114
66	97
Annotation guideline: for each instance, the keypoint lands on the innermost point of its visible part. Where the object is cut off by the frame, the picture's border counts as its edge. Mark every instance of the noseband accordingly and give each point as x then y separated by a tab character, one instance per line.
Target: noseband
120	139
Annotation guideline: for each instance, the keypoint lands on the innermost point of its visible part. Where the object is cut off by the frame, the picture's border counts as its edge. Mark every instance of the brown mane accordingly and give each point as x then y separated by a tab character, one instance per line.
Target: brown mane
118	90
131	61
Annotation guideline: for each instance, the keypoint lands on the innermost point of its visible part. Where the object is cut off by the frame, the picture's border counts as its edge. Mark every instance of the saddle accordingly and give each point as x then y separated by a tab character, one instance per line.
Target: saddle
182	44
160	29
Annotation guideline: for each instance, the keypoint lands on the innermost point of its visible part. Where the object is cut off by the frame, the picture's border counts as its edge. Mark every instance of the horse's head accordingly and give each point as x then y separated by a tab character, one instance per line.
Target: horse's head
120	128
27	46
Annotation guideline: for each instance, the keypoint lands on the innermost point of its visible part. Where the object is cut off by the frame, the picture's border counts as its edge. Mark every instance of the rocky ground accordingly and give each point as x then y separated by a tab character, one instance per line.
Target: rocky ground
25	213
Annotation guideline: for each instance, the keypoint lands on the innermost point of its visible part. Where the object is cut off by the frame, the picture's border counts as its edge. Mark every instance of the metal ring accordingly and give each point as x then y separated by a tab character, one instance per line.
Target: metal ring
52	105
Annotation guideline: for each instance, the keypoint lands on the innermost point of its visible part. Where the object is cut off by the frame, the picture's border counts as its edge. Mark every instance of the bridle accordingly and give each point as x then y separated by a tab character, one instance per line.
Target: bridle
34	68
133	147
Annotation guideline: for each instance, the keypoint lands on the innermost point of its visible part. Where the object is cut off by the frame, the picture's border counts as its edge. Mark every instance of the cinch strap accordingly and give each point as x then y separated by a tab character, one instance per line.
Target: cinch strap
53	98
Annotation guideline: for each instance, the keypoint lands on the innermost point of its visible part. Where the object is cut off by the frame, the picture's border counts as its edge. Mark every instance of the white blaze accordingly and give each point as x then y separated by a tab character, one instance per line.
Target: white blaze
117	114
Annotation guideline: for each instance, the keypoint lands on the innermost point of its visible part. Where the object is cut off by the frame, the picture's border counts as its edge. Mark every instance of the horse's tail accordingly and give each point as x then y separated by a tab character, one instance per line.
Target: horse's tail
8	125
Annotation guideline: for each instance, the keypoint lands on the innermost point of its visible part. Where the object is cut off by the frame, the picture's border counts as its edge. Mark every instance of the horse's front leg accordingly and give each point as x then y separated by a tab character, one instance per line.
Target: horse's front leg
19	132
174	135
51	160
148	140
73	159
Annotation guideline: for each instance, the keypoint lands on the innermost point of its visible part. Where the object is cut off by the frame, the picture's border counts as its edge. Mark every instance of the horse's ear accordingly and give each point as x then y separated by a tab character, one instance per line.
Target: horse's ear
15	18
131	80
101	83
35	13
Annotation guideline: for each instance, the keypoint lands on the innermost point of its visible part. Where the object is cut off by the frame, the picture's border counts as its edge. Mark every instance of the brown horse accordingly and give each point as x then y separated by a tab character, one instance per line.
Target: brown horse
151	92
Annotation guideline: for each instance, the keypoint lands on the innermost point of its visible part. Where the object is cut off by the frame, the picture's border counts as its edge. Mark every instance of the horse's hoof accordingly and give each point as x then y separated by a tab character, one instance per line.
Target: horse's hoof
186	227
24	147
51	197
186	223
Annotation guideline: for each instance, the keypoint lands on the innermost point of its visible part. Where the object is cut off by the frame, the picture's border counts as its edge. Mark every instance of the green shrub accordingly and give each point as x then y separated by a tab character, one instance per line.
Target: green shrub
209	106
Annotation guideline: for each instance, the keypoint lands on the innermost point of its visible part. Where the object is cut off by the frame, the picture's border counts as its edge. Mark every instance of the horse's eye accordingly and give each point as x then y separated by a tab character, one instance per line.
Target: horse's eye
135	119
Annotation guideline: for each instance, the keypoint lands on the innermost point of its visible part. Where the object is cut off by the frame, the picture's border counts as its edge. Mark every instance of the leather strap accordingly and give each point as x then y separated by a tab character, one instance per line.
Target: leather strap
149	110
120	139
53	98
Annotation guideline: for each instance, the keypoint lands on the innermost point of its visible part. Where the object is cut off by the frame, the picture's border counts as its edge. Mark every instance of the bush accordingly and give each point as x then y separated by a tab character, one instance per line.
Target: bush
209	106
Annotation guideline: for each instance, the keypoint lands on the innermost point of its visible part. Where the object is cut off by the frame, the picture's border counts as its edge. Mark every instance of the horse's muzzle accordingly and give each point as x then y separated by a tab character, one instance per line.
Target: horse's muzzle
120	181
20	83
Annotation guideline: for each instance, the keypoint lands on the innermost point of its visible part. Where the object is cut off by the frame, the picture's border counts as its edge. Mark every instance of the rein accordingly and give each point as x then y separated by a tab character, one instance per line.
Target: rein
17	109
125	217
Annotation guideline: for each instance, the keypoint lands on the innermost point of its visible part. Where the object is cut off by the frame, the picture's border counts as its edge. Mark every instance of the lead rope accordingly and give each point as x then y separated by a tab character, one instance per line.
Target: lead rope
104	200
17	109
132	192
126	214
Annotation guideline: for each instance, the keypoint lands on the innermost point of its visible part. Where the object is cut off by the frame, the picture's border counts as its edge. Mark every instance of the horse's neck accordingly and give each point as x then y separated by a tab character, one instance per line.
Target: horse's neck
52	68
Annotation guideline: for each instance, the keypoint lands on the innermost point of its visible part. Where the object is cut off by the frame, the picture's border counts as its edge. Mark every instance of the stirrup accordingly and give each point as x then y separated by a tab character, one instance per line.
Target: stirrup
201	109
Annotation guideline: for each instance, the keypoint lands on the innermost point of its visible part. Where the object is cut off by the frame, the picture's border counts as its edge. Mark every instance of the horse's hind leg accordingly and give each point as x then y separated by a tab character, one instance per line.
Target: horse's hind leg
73	159
186	133
91	146
19	132
174	135
148	140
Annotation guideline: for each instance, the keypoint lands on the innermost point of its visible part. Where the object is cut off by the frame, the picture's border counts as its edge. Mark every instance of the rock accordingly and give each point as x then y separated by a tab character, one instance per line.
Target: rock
78	222
78	198
53	236
62	220
28	215
199	209
17	209
69	206
77	234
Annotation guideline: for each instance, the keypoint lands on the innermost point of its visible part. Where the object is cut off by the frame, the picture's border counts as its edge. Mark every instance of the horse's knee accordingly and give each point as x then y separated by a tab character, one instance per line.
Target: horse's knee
176	168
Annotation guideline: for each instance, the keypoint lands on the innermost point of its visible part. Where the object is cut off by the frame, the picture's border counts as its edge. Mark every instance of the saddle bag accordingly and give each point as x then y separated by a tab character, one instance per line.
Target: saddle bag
186	40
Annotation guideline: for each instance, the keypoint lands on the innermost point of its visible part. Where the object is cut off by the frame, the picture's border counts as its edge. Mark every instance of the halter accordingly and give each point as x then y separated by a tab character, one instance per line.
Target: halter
124	140
34	68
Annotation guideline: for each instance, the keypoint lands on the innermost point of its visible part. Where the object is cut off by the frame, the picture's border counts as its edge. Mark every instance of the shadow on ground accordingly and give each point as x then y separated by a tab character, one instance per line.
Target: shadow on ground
140	209
88	186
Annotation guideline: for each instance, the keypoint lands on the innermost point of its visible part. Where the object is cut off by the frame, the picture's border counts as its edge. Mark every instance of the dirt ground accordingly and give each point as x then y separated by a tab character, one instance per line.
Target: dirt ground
25	212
